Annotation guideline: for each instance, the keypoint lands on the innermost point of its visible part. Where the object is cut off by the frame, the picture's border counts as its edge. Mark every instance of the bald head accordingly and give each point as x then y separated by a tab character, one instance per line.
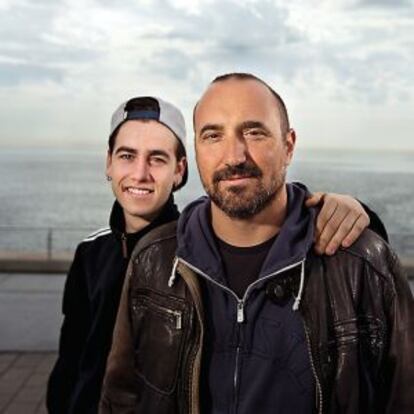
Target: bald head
280	105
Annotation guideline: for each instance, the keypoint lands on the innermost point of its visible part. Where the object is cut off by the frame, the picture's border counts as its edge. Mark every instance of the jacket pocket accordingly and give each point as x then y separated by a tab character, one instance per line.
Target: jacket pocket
159	326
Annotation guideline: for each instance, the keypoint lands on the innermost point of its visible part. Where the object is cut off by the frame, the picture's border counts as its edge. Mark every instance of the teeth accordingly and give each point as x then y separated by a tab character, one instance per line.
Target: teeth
138	191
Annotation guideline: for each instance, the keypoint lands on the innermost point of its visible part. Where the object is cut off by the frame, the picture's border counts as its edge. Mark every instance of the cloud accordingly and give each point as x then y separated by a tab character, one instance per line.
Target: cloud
385	3
95	53
30	42
14	74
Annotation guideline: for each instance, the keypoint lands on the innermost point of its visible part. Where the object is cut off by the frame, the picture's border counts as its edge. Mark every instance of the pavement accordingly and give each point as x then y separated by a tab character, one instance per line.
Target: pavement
23	378
30	319
30	311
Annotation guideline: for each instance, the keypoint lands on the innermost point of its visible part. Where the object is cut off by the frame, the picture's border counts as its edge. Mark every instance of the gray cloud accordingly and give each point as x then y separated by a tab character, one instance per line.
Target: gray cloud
27	30
178	63
359	55
226	34
11	74
389	4
259	38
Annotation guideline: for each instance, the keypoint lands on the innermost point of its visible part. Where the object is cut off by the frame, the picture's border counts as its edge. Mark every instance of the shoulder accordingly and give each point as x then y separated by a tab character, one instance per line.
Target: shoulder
158	238
370	261
97	238
153	256
97	234
372	250
95	242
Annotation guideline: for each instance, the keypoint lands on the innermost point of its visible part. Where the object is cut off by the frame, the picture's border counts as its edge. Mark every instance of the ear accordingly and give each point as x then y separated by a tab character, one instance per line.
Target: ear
108	163
179	171
290	142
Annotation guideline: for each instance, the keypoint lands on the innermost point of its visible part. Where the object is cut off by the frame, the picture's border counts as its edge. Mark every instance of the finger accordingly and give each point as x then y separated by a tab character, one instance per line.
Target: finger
325	214
360	224
314	199
344	228
330	228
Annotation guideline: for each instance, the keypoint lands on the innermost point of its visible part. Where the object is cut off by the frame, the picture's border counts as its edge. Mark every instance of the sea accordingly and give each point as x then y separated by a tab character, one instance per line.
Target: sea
52	199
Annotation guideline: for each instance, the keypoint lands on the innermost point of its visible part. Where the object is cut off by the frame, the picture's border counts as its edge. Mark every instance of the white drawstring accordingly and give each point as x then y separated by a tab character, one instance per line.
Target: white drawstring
173	273
298	298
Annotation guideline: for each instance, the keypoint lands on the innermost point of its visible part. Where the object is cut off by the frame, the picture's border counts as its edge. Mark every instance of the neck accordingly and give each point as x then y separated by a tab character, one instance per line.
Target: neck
254	230
134	224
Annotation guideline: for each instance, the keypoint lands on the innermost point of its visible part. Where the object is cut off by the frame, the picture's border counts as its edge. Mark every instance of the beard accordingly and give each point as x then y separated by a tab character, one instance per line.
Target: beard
240	201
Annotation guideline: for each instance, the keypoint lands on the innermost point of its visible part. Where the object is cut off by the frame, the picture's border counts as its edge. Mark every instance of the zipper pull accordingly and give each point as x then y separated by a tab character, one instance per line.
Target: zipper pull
124	246
178	320
240	312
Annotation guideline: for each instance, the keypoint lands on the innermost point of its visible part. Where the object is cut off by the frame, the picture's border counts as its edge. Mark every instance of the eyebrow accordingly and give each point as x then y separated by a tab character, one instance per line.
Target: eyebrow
244	125
126	149
152	153
253	124
211	127
158	152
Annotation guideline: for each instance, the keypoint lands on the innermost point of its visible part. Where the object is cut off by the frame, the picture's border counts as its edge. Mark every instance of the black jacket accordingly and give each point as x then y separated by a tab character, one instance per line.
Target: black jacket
90	302
358	322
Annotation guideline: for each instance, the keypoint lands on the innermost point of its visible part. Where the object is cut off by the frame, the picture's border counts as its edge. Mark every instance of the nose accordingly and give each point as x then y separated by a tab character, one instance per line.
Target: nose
235	151
140	170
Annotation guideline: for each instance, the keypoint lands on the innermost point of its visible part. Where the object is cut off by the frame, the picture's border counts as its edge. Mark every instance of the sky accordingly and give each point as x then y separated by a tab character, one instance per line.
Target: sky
344	68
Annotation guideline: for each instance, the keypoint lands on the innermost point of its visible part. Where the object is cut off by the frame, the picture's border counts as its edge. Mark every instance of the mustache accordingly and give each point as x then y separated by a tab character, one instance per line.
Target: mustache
241	170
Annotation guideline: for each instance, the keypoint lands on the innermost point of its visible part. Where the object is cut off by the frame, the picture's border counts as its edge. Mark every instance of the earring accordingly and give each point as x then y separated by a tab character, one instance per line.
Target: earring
108	178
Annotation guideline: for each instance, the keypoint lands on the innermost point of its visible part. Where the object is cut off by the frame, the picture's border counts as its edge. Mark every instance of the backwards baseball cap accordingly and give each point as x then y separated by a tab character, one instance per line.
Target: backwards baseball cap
149	107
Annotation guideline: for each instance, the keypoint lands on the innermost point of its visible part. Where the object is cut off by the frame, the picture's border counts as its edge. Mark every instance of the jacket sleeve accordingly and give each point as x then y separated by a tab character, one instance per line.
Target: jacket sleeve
399	365
376	224
119	393
75	308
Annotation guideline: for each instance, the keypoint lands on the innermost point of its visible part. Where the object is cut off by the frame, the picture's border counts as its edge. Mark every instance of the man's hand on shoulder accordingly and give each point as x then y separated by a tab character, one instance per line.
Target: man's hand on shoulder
340	221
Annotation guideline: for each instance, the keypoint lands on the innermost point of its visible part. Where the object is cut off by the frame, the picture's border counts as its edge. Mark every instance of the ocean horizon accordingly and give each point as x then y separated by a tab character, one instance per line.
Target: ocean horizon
66	190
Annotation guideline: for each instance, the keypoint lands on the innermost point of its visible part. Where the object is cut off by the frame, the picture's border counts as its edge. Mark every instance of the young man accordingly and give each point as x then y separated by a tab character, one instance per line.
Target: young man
249	319
146	163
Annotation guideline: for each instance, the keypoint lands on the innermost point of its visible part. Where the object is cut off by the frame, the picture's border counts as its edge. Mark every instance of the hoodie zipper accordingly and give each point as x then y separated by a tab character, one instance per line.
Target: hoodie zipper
240	302
240	313
236	375
124	246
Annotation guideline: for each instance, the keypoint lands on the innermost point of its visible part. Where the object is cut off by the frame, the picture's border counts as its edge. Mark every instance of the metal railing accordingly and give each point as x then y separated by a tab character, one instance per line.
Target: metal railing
53	240
23	248
49	242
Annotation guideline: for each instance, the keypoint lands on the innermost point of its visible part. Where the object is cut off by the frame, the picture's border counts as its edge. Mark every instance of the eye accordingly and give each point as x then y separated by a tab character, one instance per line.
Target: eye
126	156
211	136
255	133
158	160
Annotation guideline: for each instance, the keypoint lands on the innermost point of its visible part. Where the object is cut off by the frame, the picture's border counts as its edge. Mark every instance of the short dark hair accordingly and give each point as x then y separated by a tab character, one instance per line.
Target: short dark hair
150	104
284	117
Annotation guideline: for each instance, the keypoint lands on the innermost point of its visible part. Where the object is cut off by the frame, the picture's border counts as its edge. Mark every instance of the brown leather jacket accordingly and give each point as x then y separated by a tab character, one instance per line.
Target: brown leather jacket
357	309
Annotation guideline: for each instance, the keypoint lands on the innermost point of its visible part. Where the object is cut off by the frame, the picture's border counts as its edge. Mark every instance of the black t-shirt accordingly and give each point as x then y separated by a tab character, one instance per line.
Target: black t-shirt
242	264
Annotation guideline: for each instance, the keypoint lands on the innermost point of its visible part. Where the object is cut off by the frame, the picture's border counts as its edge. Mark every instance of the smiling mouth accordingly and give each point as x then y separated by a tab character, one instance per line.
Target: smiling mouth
138	191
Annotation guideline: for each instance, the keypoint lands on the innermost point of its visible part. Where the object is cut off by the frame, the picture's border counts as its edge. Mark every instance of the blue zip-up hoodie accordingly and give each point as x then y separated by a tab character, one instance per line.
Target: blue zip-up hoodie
255	356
